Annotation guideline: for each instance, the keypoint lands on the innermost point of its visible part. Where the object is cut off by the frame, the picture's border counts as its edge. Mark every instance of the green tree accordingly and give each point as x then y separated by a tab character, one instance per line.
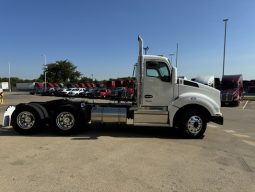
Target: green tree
61	71
85	79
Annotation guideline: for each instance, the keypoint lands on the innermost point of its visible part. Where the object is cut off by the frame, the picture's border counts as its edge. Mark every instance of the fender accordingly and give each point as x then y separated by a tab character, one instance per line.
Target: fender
7	116
194	98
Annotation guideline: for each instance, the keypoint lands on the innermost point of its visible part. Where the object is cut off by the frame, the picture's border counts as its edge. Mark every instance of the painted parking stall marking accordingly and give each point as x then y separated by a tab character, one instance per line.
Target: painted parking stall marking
241	135
212	126
245	105
229	131
252	143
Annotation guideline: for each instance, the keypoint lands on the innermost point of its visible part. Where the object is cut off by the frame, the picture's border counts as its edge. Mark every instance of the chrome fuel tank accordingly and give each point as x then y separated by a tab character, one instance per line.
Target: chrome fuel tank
100	114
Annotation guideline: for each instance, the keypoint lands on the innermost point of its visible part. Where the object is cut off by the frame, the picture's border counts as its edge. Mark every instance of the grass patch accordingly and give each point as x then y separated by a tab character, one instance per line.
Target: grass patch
249	98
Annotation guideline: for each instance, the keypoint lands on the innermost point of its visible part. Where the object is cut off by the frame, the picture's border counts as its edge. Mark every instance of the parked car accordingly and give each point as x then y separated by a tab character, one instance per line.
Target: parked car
49	92
75	92
91	93
118	93
104	93
65	92
58	92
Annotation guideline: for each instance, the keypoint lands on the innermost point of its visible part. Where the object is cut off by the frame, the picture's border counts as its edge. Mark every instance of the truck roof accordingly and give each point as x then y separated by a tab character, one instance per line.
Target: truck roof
156	57
232	77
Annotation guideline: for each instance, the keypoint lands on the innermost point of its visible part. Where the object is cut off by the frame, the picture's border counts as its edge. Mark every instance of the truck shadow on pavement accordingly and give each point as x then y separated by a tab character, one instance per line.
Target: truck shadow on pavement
94	132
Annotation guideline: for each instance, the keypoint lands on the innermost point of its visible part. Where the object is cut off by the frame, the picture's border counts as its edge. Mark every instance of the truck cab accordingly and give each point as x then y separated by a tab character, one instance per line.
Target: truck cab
165	100
232	89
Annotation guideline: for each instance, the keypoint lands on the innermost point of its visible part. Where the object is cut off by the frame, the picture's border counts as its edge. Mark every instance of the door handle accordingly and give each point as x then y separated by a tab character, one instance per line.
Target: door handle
148	96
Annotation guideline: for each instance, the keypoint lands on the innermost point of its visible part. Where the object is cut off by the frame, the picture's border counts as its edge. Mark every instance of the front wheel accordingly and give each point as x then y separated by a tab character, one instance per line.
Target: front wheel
193	124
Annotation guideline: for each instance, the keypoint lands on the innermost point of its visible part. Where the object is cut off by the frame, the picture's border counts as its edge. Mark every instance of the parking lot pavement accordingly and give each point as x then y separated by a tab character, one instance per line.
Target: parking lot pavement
132	159
248	105
240	122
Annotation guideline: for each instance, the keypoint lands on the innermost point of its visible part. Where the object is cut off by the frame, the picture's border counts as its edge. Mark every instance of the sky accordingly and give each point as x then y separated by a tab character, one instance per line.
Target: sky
100	36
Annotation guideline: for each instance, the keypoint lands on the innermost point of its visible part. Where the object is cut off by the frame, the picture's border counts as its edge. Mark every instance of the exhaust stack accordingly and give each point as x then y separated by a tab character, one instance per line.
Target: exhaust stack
139	76
140	40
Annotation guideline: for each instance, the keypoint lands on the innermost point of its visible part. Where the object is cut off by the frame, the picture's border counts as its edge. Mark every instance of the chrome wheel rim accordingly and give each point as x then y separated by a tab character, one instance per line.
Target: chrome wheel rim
25	120
65	121
195	124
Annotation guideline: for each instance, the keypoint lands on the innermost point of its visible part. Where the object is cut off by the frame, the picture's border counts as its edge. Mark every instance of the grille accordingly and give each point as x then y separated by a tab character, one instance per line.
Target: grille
226	97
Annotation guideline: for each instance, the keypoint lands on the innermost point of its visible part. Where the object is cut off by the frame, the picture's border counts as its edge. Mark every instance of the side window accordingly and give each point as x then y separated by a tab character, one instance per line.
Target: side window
158	69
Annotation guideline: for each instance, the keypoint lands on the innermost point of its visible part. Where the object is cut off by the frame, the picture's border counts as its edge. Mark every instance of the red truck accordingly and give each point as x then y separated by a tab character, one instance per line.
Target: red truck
232	89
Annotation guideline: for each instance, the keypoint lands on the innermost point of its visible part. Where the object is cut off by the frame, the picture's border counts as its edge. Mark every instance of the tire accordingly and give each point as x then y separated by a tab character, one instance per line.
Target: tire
27	119
41	108
193	124
67	120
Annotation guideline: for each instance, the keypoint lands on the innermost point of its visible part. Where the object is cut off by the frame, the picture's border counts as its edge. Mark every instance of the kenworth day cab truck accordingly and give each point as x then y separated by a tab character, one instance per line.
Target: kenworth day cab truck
161	100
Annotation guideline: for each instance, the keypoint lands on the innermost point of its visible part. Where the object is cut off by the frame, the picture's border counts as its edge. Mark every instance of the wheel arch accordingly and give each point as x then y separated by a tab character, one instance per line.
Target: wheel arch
34	106
189	107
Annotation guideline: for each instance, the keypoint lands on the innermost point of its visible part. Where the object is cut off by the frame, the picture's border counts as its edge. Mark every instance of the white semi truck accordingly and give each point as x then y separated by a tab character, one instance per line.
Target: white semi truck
161	100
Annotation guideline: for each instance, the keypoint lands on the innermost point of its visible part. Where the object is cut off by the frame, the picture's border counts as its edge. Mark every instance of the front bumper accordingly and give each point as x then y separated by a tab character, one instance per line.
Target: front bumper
217	119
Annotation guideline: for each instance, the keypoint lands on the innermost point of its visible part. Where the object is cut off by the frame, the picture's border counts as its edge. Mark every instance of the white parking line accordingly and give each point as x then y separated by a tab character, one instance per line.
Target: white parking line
213	126
229	131
245	105
249	142
241	135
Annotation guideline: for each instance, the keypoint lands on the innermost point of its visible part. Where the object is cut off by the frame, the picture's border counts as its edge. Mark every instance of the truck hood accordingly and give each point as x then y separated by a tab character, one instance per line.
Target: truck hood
194	88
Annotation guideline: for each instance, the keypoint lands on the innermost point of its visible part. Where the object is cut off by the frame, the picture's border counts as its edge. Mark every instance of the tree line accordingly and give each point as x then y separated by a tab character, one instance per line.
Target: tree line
62	71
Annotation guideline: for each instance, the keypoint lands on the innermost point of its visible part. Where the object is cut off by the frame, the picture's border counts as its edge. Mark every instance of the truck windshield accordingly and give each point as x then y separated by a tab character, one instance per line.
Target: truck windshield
228	85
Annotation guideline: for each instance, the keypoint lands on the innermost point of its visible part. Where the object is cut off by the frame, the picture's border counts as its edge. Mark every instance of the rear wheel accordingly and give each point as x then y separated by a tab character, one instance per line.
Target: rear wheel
193	124
27	119
67	120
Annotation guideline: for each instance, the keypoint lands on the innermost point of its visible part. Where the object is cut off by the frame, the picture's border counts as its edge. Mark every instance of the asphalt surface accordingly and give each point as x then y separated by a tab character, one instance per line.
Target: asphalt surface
131	158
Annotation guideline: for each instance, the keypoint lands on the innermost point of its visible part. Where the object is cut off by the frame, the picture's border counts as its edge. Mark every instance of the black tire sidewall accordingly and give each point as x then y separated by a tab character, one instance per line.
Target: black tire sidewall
37	125
76	116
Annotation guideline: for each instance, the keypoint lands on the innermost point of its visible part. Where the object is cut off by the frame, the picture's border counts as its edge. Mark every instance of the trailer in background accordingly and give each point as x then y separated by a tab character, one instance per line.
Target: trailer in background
4	85
25	86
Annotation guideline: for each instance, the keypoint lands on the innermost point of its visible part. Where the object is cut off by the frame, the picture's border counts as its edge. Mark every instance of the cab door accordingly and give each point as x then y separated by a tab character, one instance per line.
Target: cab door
157	85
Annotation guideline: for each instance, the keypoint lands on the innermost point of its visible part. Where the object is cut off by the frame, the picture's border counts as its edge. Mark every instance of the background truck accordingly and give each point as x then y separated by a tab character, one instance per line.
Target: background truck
232	89
160	100
4	85
206	80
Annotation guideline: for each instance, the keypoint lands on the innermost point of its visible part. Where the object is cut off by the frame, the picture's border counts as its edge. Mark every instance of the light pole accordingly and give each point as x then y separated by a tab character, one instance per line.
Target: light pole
45	67
225	36
177	49
9	64
146	50
171	54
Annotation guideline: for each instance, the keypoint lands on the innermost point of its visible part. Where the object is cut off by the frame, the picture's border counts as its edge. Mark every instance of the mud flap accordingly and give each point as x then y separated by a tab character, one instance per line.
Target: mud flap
7	116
